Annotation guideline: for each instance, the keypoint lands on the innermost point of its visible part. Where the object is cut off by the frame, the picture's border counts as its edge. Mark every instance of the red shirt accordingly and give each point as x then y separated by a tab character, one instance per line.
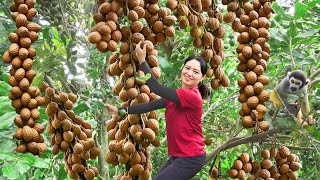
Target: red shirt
183	124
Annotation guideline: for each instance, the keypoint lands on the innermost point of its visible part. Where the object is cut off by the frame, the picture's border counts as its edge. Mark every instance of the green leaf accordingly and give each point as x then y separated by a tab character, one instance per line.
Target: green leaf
38	80
300	10
307	34
148	76
5	106
4	88
42	163
72	44
22	167
37	174
292	30
99	104
27	158
55	33
61	173
6	120
46	34
57	43
5	77
10	171
7	156
279	11
7	144
43	115
163	62
82	107
46	45
144	78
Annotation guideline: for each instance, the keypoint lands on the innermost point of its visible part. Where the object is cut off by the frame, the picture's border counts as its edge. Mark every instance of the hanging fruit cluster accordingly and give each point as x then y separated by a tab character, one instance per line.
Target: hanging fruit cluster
286	165
130	135
241	166
251	20
72	134
25	98
207	34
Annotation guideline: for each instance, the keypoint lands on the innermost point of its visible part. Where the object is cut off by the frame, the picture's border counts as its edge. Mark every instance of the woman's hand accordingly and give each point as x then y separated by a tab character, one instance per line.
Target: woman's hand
141	53
111	109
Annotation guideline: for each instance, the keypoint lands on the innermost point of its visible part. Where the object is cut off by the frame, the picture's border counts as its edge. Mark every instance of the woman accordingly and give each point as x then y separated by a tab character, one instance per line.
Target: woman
183	117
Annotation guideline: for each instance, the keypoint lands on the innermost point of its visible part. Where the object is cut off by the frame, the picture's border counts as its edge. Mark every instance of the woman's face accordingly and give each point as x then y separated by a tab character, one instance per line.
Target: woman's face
191	74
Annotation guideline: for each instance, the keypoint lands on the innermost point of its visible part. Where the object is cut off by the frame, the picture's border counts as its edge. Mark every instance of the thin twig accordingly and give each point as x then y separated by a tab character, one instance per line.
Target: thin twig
217	103
314	74
291	53
236	134
64	19
293	147
308	137
314	82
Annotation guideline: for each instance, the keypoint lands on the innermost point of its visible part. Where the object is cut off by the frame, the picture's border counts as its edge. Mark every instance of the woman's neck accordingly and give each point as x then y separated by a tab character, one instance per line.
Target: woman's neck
187	87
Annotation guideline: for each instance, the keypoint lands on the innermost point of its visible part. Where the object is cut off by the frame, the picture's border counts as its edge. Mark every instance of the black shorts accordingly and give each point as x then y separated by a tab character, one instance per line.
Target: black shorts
181	168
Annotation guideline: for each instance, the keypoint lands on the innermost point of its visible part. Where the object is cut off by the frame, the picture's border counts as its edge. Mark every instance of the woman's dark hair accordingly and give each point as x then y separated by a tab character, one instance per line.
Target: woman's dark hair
204	90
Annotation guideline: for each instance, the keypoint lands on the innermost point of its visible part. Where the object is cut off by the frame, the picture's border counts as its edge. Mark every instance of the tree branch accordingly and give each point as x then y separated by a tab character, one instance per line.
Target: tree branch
314	82
230	144
65	85
308	137
291	53
217	103
314	74
48	80
294	147
4	17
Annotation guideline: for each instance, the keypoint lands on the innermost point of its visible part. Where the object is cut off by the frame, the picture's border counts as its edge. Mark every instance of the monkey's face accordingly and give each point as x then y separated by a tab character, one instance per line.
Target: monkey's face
295	84
297	81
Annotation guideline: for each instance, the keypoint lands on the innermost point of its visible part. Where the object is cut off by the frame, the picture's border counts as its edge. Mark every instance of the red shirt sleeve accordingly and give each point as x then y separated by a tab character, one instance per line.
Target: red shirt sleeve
189	98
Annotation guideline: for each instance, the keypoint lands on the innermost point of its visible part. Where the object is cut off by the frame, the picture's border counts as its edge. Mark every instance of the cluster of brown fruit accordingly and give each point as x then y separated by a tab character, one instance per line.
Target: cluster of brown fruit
286	165
25	98
251	20
127	152
72	134
207	34
241	166
127	133
160	22
107	33
130	135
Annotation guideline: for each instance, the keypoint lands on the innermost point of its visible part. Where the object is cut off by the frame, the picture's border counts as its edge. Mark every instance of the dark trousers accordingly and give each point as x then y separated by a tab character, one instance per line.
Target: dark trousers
181	168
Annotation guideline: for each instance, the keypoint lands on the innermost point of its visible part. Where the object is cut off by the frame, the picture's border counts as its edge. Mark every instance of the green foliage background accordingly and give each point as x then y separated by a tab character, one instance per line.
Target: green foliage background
66	60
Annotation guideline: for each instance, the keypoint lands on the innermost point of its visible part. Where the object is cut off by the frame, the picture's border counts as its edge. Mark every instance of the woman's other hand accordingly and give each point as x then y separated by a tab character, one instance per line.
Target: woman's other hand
111	109
141	53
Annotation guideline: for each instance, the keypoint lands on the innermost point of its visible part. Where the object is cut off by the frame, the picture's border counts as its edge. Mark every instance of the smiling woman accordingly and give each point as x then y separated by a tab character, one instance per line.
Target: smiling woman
183	117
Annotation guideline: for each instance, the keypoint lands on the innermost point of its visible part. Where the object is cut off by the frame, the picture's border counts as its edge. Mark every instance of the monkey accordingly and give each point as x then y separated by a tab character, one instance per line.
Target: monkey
295	83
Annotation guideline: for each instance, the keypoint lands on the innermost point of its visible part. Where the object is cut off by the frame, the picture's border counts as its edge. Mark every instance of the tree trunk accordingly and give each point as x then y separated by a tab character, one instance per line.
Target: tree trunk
103	141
